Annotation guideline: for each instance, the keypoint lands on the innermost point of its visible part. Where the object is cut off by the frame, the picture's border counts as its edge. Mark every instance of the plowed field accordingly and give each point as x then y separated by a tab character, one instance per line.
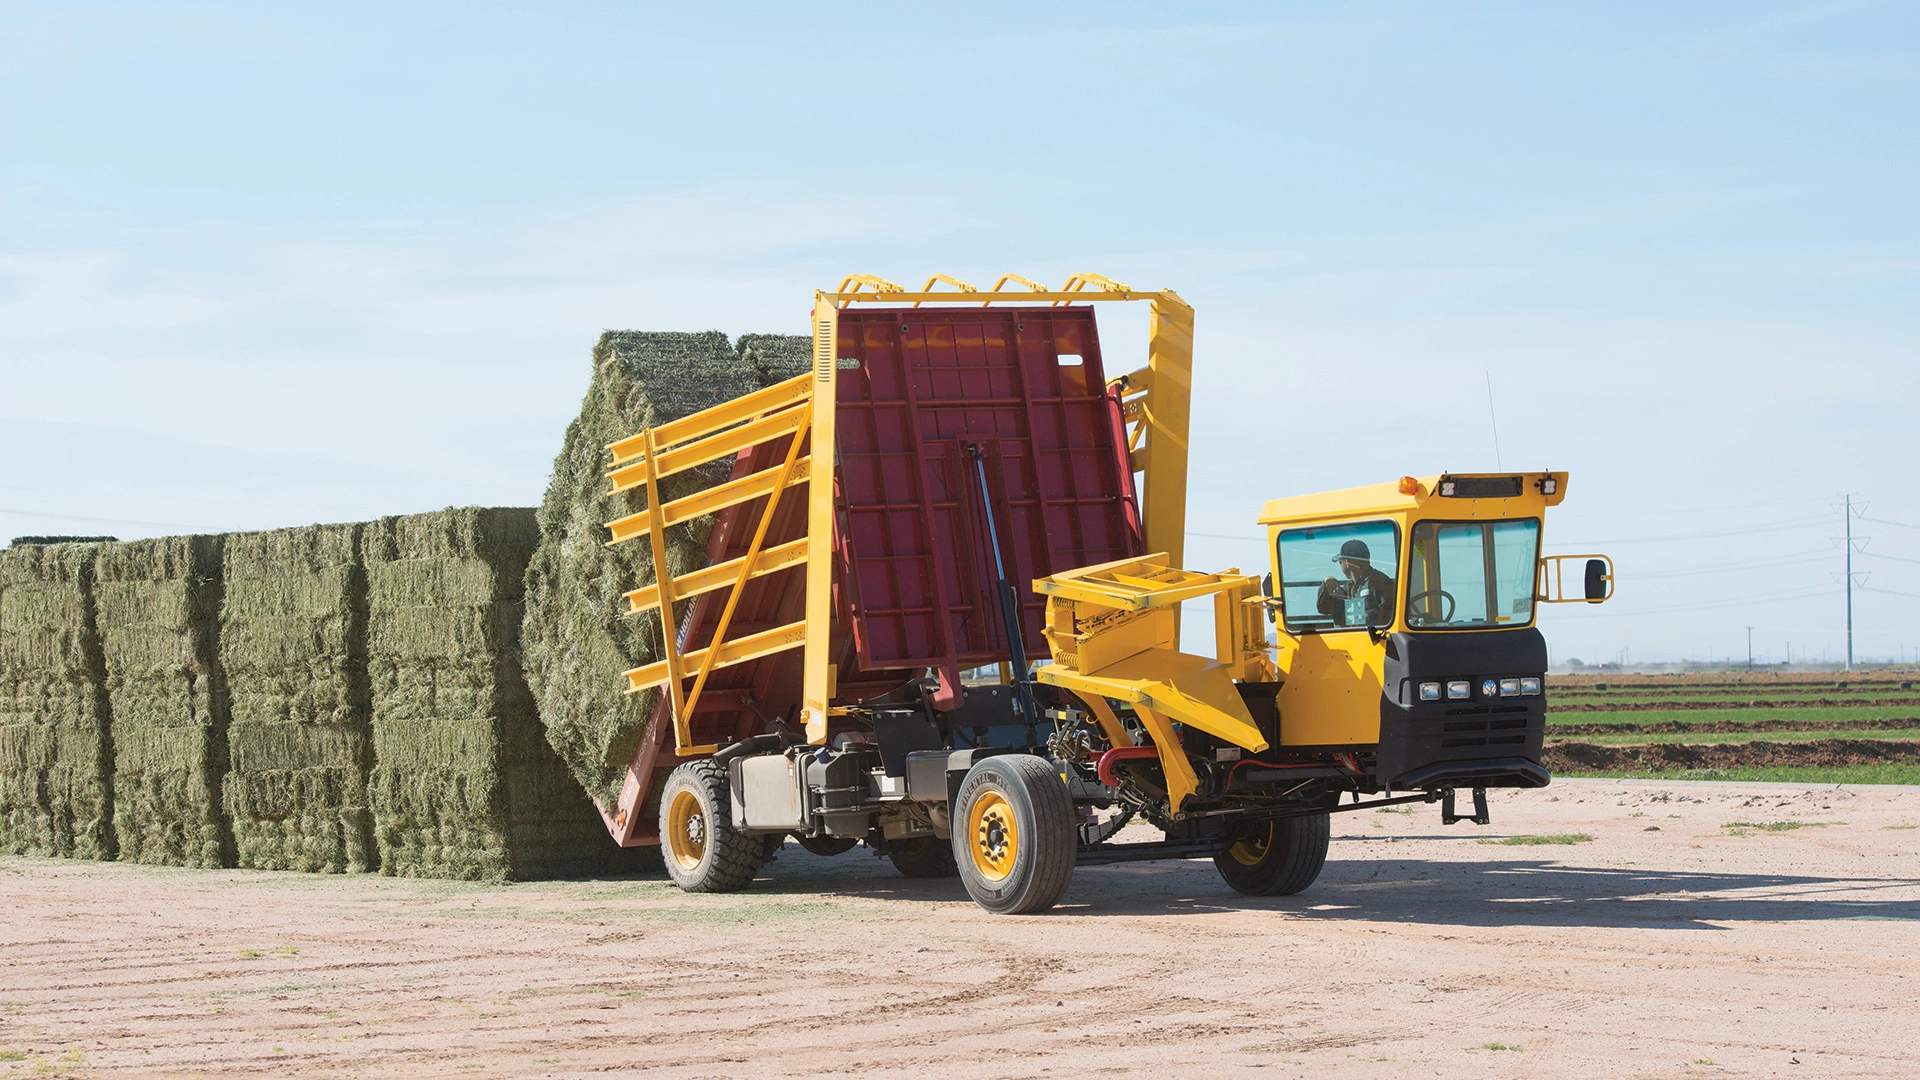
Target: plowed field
1860	728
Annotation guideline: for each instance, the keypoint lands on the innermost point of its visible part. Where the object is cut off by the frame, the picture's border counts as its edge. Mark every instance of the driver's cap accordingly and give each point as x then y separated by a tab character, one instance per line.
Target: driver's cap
1354	549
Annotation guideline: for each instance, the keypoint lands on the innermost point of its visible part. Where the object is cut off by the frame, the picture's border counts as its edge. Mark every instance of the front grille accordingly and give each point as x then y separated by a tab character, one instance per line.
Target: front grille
1489	740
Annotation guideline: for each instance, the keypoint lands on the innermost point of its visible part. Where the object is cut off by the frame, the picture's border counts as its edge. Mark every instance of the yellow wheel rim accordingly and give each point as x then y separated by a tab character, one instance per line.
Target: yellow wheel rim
995	837
686	830
1250	851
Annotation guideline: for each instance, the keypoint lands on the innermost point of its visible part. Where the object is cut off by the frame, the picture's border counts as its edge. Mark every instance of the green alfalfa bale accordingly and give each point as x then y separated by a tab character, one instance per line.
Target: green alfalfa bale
455	732
293	631
775	358
56	750
157	607
578	637
444	596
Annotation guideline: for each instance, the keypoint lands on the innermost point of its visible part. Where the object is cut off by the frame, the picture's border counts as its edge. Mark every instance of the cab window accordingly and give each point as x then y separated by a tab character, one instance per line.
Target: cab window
1471	575
1336	577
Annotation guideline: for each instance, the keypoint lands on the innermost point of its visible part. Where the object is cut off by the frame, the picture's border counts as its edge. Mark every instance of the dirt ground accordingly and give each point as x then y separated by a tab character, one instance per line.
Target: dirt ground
1668	945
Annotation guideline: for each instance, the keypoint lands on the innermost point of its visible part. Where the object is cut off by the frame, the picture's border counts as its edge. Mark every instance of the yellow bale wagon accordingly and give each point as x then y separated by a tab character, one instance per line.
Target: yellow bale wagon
940	616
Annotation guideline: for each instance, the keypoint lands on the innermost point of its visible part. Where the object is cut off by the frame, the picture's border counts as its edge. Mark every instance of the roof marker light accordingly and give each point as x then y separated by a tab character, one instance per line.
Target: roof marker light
1409	486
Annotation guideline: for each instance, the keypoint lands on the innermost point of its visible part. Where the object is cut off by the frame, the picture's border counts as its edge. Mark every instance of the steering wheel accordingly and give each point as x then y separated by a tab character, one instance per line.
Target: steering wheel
1427	617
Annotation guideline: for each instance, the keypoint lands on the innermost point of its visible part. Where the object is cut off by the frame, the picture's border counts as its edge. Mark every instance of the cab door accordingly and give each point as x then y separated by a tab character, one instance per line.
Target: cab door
1340	589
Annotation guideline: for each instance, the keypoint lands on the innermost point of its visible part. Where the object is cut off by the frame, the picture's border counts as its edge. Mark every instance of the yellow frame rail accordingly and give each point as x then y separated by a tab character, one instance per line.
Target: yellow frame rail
642	461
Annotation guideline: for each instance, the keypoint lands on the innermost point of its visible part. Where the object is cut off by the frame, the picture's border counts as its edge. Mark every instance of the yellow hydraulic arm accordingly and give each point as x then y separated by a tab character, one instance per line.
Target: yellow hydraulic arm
1114	634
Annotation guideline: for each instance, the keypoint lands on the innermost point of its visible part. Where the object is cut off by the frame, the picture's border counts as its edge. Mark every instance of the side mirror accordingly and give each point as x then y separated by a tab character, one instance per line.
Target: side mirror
1596	580
1266	590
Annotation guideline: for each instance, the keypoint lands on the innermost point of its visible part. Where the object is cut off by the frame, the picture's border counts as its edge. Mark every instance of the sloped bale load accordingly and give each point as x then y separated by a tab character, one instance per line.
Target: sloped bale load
464	783
775	358
293	633
56	749
158	606
578	638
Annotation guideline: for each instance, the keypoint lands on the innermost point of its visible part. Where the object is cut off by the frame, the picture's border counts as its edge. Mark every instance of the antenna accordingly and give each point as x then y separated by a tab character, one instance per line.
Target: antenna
1495	421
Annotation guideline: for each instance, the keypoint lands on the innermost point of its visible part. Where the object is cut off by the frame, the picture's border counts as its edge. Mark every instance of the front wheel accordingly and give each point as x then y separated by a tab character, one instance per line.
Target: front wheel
702	849
1276	858
1013	834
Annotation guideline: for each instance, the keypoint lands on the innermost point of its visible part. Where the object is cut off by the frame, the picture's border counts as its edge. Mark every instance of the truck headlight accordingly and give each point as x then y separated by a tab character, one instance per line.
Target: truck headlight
1509	687
1529	687
1429	691
1459	690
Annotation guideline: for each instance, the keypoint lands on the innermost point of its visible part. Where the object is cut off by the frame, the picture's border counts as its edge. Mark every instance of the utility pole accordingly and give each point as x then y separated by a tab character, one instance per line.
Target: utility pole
1849	582
1749	648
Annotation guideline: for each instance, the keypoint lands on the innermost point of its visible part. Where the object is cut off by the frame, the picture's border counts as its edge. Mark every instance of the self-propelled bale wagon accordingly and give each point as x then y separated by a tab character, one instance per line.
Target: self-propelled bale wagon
957	486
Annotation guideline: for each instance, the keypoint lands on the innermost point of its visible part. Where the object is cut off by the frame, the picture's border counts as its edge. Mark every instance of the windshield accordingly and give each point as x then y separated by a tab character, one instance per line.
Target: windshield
1338	576
1472	574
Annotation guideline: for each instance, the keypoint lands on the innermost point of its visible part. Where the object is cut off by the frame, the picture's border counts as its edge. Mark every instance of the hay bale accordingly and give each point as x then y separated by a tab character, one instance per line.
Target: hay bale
157	605
577	636
775	358
293	633
464	785
22	541
56	748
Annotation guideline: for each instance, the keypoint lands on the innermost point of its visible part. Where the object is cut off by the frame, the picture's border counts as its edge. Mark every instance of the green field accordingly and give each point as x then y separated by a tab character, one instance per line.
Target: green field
1809	707
1717	737
1851	774
1820	713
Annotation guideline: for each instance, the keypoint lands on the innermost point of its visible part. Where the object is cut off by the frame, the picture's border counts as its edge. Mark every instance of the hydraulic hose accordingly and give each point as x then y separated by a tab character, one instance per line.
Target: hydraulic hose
1122	753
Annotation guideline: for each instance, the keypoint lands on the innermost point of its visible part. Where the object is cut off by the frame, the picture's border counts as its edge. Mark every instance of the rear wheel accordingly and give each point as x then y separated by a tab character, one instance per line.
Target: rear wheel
1013	834
1276	858
923	856
702	849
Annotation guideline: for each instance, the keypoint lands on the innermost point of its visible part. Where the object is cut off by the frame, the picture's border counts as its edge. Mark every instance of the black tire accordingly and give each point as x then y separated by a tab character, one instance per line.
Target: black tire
1014	838
702	849
923	856
827	845
1277	858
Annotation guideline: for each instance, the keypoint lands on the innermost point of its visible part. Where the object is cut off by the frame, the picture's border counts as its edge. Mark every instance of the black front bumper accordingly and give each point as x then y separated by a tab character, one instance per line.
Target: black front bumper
1479	742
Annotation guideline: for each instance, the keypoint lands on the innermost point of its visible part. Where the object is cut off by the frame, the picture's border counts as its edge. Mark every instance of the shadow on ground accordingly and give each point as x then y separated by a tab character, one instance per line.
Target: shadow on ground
1505	892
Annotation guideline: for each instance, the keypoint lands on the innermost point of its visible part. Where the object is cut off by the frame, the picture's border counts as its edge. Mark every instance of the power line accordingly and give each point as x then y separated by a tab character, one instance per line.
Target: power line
99	520
1884	521
1878	555
1794	523
1797	561
1804	592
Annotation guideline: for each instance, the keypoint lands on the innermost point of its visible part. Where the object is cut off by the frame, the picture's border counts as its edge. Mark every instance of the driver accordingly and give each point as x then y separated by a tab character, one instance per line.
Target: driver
1372	590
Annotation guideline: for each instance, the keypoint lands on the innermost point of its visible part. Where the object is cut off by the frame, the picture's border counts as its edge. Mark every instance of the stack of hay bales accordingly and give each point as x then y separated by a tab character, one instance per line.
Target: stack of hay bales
56	745
578	637
157	603
464	784
293	626
775	358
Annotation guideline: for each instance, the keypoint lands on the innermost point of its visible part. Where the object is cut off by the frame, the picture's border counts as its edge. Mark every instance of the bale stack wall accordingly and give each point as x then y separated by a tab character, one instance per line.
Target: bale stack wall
56	746
293	625
157	606
465	785
578	637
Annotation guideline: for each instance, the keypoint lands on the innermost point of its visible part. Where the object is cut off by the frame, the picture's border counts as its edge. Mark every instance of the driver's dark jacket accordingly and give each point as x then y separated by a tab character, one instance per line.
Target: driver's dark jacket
1334	593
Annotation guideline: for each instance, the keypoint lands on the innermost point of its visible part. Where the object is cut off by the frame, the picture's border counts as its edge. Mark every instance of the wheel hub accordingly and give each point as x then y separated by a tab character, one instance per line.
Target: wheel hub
686	830
996	836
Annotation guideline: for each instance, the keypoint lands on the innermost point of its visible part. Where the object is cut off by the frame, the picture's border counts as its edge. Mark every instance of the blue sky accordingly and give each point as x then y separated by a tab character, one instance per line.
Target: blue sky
262	265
